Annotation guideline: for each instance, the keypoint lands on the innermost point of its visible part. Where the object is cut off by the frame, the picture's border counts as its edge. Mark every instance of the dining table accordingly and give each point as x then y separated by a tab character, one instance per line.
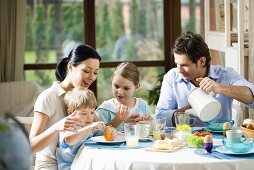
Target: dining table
94	155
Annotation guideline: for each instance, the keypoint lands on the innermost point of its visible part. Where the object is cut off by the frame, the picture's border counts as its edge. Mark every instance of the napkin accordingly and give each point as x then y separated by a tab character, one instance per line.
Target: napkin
121	146
226	156
238	156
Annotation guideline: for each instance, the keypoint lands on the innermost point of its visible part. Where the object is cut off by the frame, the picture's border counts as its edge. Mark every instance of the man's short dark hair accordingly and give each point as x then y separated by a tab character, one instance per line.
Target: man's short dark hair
192	45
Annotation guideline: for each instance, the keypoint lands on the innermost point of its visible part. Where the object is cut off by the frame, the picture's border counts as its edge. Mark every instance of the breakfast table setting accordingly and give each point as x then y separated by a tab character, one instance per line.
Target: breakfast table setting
97	153
151	145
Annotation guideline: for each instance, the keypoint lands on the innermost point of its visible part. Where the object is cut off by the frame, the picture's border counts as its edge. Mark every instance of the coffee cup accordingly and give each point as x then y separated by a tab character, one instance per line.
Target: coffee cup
203	105
234	135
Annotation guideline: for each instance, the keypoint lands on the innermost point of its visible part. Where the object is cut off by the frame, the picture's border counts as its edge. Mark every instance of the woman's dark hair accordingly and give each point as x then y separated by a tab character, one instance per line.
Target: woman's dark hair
193	45
76	56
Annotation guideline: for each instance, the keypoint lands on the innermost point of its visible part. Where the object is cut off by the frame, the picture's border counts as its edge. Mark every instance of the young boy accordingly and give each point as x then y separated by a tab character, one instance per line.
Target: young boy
83	102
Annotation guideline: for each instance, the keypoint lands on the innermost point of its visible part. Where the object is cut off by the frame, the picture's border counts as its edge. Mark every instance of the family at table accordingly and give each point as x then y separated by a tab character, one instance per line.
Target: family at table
66	114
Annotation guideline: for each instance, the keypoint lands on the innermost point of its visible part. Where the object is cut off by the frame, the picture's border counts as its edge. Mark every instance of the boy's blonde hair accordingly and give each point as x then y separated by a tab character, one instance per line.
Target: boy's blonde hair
128	71
80	97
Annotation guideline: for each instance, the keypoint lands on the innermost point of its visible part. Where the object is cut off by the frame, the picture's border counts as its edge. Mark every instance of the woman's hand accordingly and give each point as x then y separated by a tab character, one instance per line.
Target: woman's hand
69	123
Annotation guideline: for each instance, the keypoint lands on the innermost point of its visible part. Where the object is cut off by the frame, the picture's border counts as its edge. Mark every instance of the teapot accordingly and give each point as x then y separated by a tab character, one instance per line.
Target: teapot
16	153
203	105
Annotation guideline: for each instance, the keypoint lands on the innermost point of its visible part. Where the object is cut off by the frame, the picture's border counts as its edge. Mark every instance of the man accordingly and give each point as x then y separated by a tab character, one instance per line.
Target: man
192	58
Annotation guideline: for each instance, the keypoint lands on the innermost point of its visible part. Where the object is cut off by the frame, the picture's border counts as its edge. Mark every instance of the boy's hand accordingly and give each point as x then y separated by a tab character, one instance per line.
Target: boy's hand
110	133
97	126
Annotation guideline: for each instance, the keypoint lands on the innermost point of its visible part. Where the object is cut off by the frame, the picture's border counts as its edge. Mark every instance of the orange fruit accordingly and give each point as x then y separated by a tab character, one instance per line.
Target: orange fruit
108	134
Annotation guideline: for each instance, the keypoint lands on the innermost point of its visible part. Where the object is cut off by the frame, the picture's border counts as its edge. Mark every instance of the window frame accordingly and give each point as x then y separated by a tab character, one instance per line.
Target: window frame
172	29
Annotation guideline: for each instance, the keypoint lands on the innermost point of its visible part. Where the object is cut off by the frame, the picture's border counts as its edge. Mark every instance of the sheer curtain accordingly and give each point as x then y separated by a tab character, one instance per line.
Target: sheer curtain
12	39
251	48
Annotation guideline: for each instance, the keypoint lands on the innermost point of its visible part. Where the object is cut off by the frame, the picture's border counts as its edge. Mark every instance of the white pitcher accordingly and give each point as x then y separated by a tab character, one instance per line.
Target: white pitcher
203	105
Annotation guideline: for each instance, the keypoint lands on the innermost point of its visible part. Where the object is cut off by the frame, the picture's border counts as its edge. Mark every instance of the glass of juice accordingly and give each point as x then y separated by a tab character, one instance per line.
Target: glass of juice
131	131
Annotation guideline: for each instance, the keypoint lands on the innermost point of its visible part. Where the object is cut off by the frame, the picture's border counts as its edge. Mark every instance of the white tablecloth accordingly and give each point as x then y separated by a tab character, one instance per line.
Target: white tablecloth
140	159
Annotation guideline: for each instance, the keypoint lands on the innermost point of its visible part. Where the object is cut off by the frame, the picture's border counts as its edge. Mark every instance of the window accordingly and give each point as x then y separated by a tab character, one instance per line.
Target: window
140	31
53	28
129	30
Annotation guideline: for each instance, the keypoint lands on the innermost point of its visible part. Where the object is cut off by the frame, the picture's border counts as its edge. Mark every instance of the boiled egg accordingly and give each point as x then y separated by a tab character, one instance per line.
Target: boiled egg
226	125
208	139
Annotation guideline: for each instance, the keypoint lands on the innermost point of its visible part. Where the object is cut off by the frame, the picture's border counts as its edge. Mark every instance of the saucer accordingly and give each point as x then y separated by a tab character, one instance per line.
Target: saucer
245	146
145	139
223	149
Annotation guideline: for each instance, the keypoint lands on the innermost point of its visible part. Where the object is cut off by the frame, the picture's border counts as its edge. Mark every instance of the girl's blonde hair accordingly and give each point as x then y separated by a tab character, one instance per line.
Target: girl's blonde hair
128	71
80	97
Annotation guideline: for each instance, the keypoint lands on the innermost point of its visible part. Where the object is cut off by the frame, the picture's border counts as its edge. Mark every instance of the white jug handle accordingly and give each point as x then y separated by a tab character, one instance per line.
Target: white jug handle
211	93
191	112
194	121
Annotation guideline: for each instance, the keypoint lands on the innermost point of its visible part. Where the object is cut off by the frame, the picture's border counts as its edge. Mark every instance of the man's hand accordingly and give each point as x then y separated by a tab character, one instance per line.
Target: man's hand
208	85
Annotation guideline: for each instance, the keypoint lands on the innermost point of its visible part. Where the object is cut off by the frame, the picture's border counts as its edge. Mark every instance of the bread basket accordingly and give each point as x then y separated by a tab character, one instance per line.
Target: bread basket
249	133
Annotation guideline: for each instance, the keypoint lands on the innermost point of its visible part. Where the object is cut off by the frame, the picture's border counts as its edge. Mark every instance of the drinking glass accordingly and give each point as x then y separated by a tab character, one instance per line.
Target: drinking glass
159	127
144	130
182	119
131	131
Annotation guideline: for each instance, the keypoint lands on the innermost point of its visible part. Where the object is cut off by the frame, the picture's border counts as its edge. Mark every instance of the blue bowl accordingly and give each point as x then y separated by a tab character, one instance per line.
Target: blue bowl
217	125
243	147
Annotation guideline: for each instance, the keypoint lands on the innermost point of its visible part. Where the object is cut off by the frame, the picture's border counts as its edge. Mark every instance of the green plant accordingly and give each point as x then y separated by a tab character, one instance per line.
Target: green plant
154	94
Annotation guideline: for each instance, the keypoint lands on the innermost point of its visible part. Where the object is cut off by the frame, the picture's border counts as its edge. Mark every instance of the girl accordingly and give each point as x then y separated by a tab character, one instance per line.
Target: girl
80	68
124	107
83	102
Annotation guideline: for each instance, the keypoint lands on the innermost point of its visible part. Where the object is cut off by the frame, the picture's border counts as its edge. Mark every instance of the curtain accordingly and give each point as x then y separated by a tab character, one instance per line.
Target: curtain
12	39
251	48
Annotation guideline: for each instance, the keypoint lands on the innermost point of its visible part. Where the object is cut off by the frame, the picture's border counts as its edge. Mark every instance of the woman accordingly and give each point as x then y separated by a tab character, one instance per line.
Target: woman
79	69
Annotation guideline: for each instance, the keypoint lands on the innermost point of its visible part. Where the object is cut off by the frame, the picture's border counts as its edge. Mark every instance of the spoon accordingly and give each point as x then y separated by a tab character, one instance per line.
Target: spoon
202	151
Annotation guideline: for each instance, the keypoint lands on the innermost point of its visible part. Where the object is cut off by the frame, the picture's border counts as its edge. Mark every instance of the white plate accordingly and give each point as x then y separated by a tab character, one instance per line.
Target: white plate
151	148
215	131
145	139
101	139
224	150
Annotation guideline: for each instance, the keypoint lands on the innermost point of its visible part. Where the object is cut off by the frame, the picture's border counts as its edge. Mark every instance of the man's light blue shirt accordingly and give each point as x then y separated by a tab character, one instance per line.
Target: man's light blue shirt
175	89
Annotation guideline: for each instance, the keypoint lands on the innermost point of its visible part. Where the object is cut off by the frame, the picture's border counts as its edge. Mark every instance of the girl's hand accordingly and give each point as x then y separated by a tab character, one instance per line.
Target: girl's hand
69	123
134	118
147	117
122	112
97	126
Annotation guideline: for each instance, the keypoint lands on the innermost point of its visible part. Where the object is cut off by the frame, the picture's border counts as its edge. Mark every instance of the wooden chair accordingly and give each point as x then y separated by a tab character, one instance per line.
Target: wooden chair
27	122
